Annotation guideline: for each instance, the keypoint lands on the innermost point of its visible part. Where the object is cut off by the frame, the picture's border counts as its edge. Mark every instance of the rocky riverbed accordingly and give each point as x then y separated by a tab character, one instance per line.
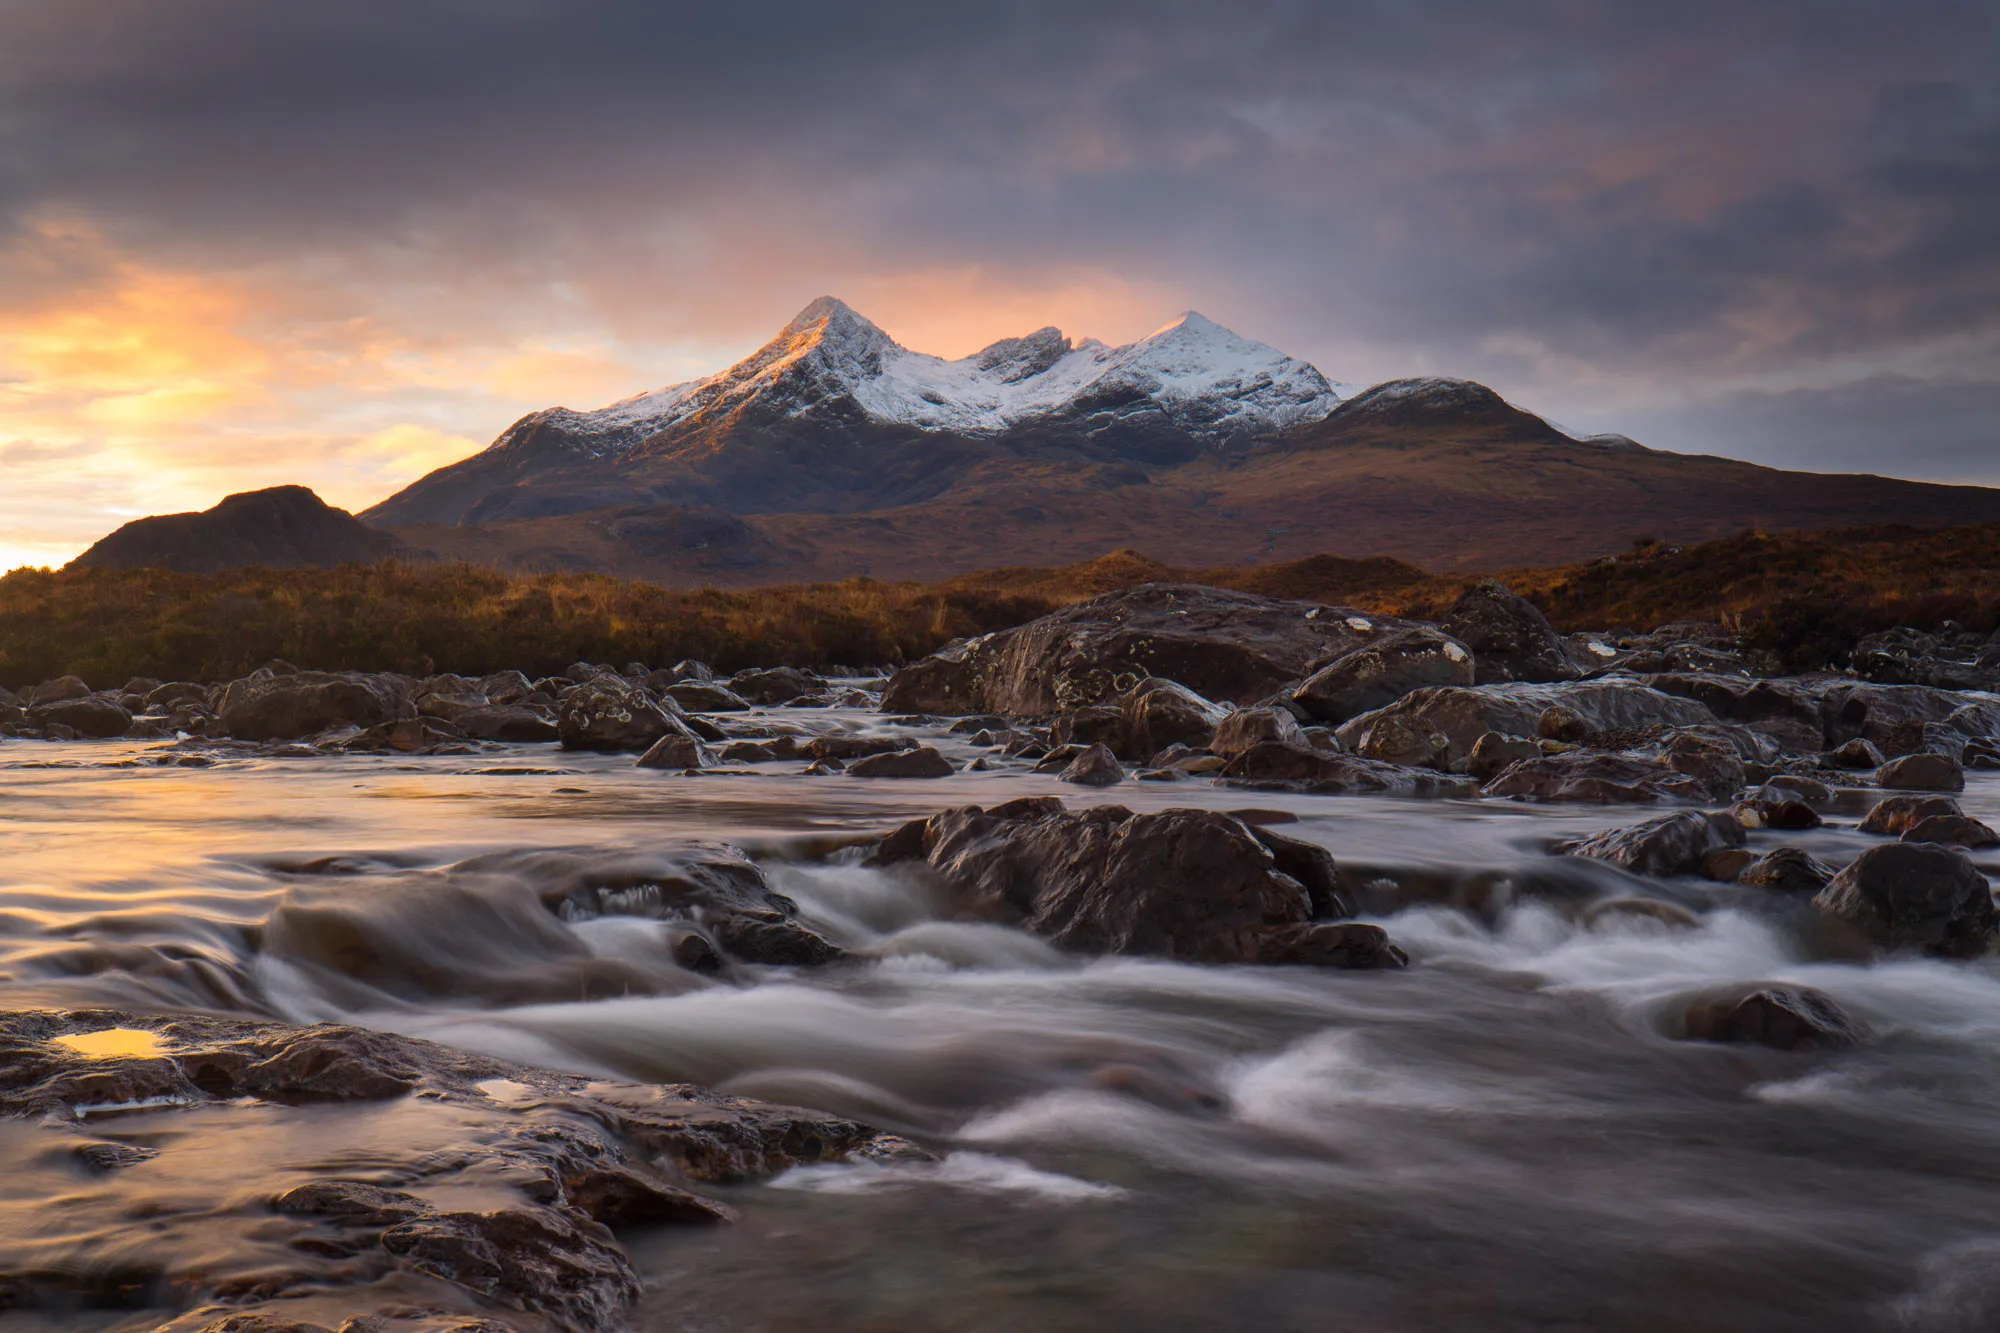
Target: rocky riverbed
1183	960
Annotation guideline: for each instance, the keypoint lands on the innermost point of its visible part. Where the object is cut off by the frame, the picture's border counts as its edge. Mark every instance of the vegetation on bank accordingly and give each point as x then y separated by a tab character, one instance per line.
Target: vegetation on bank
1807	597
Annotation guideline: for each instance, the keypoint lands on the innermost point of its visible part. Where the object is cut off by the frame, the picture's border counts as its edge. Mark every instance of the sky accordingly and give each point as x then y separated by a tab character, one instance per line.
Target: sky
343	242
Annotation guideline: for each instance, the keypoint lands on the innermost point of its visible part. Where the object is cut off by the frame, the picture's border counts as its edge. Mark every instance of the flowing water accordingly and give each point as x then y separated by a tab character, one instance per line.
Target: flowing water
1500	1137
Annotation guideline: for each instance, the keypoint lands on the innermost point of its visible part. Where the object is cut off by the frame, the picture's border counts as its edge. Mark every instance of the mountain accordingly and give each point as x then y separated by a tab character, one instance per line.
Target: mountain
833	415
834	451
285	527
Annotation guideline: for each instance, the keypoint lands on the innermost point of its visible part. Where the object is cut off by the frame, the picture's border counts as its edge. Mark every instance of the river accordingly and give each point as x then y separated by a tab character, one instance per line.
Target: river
1500	1137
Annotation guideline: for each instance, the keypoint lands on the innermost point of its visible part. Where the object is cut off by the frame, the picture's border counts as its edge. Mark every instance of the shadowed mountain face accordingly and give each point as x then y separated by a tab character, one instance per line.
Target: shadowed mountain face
285	527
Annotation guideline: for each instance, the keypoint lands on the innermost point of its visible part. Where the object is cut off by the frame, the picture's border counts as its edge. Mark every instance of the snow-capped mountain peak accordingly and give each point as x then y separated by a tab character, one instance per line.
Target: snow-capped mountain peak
831	361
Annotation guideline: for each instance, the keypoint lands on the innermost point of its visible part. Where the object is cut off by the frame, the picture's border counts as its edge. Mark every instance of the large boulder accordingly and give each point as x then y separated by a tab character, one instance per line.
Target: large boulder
92	715
1509	637
1194	885
607	713
305	703
1233	647
1381	672
59	690
1672	845
1457	717
1915	894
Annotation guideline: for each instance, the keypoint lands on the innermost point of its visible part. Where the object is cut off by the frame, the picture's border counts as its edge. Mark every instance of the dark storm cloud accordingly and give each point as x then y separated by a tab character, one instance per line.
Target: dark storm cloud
1539	192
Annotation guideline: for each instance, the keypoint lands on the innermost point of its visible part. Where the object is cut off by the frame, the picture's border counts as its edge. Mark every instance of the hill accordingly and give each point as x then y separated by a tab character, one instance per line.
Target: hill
285	527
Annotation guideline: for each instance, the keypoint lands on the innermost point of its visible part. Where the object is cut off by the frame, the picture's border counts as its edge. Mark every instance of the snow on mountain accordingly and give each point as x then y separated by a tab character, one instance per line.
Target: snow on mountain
1201	376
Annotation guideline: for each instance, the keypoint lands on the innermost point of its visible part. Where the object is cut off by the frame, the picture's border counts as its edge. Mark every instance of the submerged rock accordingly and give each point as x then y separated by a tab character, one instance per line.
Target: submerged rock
1604	779
1786	1018
923	762
1672	845
1275	766
519	1215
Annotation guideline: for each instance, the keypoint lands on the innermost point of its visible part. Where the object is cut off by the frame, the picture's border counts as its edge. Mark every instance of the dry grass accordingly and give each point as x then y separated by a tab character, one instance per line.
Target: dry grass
1805	596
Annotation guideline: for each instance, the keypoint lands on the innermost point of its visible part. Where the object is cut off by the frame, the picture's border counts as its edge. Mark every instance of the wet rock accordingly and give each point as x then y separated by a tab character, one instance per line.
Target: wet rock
409	735
1810	790
1922	772
1383	671
1774	808
304	703
848	748
776	685
1737	698
677	752
508	723
1346	944
607	713
1716	763
1786	1018
1914	895
1787	870
1095	724
1159	713
1459	717
1894	717
1095	767
1275	766
923	762
1494	752
1672	845
1602	779
1231	647
1895	815
706	697
1724	864
1856	755
173	694
91	715
1510	639
1194	885
1249	726
1952	830
1652	910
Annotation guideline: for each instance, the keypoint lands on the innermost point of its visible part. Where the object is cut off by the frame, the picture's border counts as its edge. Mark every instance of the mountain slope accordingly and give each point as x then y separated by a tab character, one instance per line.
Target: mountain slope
833	415
285	527
1444	474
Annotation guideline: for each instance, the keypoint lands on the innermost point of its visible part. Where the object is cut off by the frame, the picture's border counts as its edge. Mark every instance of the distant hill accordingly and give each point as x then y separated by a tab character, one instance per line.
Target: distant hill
285	527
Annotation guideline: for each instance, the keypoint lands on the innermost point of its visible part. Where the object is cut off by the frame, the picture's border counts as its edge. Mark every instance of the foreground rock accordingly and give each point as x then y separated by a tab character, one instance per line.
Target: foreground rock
1193	885
516	1216
1230	647
1914	895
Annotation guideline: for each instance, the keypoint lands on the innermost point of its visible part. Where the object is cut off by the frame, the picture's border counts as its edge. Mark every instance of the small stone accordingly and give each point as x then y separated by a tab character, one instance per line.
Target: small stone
1786	870
923	762
1095	767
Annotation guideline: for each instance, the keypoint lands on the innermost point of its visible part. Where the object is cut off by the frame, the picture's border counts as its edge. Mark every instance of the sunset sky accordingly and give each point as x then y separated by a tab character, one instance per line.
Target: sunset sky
342	242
